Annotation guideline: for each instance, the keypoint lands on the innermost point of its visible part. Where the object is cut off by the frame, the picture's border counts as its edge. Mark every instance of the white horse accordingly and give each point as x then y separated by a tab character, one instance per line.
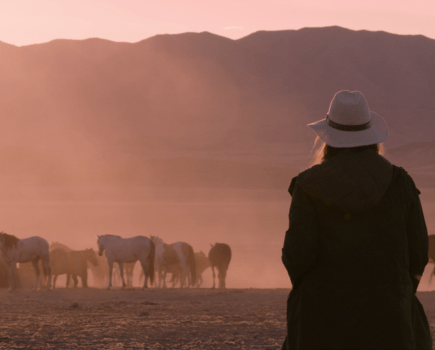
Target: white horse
170	255
128	250
15	250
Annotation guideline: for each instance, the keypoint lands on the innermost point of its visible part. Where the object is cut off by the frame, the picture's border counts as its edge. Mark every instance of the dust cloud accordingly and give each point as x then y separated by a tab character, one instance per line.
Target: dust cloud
253	227
113	138
190	137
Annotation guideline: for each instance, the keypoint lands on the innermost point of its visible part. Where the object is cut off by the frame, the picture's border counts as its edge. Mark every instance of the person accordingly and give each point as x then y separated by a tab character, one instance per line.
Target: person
357	243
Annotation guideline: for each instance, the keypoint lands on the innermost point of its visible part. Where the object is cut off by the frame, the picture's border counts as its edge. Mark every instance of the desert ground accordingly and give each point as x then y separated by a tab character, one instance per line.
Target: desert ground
151	319
252	222
136	319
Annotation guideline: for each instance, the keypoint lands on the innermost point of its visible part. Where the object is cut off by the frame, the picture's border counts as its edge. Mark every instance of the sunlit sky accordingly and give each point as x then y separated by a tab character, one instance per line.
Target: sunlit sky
24	22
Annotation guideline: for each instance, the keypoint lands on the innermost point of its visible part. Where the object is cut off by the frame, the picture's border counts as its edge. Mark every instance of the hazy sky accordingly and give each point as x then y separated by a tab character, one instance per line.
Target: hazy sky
24	22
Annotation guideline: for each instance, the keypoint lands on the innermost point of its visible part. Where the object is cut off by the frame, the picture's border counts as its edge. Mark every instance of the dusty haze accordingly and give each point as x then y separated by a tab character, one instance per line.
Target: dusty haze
195	137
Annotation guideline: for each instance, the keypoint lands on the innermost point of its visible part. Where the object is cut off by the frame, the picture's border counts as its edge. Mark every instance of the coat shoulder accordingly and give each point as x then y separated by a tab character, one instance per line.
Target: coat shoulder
304	177
292	185
403	175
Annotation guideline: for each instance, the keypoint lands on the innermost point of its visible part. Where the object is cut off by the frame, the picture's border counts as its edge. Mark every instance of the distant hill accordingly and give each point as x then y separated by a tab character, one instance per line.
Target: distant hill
91	101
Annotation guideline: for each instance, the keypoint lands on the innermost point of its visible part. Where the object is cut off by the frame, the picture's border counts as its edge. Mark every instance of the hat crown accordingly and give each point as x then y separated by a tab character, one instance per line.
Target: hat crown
349	108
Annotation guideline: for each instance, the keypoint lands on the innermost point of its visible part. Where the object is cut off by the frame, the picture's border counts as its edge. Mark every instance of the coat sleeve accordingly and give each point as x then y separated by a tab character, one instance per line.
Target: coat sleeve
300	251
416	231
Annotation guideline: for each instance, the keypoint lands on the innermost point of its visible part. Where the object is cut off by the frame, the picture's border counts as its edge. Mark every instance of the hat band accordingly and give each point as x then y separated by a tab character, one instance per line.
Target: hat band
344	127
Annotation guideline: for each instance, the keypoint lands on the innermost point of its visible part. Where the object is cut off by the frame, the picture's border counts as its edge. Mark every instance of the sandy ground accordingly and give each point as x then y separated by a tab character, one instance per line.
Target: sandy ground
151	319
136	319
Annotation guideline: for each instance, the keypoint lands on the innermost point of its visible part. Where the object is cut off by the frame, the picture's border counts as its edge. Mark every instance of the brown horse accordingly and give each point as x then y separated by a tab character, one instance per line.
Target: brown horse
55	245
73	264
202	263
220	257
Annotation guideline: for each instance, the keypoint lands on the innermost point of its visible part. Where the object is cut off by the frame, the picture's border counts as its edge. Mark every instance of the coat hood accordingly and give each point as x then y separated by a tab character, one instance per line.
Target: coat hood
351	182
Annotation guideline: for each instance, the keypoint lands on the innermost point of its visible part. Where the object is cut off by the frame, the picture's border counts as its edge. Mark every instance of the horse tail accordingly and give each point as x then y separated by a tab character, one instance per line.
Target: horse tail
151	259
44	272
192	265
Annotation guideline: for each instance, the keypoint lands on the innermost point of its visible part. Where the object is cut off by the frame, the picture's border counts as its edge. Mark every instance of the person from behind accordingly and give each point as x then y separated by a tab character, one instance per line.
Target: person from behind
357	243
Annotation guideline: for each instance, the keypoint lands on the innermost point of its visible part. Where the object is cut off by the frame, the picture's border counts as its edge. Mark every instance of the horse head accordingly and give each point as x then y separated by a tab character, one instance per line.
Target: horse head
8	241
100	245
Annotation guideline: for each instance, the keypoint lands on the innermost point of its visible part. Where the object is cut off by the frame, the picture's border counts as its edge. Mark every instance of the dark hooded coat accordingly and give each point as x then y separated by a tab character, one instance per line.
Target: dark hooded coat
356	238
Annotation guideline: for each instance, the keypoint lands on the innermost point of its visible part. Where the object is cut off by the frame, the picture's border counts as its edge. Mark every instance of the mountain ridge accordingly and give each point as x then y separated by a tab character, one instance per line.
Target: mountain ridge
194	92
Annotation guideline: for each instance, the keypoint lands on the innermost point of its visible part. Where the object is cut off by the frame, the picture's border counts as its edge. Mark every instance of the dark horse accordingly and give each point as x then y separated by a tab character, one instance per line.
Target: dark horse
219	257
73	264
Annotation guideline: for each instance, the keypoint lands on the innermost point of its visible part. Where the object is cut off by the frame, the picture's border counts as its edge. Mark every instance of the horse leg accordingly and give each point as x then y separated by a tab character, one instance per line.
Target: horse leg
185	273
145	273
157	277
221	276
224	274
130	276
198	285
54	281
110	263
47	269
36	268
85	278
121	272
11	272
161	277
75	279
214	275
164	272
174	279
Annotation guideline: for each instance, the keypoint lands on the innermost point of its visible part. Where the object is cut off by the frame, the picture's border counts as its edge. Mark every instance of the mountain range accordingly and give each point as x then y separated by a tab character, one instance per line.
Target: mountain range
94	110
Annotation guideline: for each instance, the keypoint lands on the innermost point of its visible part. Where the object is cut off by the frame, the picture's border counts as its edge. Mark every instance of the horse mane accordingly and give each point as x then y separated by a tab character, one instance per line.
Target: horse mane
9	241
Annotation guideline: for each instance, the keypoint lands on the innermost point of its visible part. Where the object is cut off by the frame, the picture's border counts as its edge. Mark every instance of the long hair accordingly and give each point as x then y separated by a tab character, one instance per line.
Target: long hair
324	151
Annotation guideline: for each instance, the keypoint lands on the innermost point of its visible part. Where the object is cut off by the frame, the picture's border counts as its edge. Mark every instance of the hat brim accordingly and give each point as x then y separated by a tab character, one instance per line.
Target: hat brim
377	133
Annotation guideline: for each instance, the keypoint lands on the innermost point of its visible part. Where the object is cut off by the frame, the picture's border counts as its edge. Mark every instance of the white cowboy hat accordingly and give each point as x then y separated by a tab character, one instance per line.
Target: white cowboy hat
350	123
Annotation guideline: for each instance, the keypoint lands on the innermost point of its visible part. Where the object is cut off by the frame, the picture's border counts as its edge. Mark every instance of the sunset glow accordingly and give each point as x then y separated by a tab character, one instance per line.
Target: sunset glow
160	186
25	22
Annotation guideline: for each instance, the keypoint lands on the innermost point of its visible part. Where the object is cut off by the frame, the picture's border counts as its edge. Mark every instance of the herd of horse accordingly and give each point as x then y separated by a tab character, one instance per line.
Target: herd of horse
153	255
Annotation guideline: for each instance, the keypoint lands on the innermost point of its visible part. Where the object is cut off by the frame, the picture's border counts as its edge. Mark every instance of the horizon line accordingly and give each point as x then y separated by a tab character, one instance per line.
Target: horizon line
218	35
